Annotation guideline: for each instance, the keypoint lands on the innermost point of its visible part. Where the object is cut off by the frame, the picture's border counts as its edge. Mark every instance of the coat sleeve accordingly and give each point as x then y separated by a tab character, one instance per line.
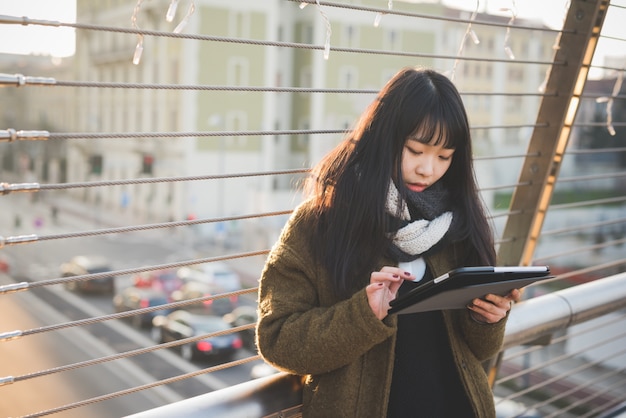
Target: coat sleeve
301	328
484	340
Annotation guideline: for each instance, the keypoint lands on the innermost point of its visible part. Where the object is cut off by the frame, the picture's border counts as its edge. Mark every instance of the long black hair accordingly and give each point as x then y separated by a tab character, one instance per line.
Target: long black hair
349	186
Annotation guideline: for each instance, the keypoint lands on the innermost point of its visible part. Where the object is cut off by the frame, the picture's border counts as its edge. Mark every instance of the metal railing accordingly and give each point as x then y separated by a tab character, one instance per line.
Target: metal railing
535	326
566	208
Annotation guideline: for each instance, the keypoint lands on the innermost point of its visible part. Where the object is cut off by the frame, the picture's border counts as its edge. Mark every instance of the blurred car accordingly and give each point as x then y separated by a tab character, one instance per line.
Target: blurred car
5	266
218	275
183	324
262	370
193	290
512	409
88	264
244	315
133	298
166	280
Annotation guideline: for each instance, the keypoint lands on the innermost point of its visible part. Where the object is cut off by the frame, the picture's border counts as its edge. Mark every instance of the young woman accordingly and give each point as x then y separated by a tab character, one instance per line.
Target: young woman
394	204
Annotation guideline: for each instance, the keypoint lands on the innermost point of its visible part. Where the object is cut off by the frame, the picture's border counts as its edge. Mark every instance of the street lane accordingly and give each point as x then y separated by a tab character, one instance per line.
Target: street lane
33	353
41	260
30	310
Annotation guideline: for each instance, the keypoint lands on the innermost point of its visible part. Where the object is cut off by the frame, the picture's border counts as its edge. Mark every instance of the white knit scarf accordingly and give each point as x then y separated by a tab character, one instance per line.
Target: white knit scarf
418	235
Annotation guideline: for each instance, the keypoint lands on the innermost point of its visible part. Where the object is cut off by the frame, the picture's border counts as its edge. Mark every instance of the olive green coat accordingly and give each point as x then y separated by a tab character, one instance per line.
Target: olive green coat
344	351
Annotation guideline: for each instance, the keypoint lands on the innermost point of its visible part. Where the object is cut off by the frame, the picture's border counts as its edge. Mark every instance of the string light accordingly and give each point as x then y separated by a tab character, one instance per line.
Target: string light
377	19
609	101
139	47
544	84
328	30
171	12
379	15
468	32
507	38
326	22
169	16
555	47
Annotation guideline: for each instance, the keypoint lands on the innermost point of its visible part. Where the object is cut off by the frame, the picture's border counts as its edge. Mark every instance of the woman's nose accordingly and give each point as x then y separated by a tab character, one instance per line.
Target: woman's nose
424	167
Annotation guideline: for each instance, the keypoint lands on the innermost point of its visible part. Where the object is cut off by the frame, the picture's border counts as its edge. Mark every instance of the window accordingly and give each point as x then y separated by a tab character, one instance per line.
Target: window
307	34
238	71
348	79
306	79
391	40
350	36
95	164
174	120
147	164
236	122
301	142
239	24
174	75
516	74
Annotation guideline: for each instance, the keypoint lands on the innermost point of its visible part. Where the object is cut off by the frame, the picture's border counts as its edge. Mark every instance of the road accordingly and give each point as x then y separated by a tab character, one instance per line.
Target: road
52	305
30	354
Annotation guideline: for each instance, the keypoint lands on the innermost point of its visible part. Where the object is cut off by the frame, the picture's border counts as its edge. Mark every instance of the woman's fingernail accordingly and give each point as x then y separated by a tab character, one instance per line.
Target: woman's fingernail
406	273
395	276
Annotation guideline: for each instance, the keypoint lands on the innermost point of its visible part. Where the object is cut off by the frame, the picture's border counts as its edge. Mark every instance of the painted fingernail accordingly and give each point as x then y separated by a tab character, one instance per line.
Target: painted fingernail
395	276
406	273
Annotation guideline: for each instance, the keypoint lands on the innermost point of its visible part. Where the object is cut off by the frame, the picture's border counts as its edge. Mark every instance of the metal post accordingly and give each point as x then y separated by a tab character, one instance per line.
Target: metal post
558	108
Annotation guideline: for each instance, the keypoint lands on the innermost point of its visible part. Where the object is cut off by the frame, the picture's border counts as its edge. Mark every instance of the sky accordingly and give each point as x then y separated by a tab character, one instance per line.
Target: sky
19	39
552	13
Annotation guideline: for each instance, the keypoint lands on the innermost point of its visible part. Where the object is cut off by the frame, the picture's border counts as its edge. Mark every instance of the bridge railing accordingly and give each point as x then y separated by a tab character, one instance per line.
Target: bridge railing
99	147
577	334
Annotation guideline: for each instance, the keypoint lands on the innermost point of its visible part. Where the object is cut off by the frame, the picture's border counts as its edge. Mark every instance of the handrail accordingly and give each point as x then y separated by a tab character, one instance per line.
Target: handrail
541	316
530	320
279	395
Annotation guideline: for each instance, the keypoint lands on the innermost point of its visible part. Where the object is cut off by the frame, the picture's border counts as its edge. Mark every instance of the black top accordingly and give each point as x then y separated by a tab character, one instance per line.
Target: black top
425	382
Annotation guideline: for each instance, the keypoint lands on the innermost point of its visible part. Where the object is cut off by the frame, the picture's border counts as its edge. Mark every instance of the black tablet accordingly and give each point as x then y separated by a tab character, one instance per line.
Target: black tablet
457	288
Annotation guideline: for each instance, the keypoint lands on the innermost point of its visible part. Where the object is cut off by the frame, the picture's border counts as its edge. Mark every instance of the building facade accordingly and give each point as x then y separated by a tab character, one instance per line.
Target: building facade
234	120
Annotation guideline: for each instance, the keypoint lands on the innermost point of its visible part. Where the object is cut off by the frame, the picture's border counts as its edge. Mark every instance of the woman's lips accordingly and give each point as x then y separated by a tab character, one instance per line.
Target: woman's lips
417	187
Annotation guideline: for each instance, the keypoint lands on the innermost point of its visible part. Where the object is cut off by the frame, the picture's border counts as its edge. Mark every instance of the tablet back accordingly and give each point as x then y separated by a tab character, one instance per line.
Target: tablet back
455	289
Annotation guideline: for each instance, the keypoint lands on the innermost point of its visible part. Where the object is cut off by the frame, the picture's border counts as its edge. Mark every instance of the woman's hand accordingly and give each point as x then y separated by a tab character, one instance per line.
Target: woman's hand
492	308
383	287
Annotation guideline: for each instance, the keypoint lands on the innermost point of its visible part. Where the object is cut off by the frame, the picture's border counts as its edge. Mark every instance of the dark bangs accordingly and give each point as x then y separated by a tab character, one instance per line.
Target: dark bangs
436	114
441	130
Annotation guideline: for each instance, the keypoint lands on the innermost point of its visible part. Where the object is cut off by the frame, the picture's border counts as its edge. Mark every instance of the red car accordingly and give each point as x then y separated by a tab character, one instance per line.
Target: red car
166	281
4	264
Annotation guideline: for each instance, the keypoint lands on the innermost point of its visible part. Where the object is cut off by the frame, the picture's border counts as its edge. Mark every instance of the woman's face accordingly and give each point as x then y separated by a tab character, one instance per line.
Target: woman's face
423	164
